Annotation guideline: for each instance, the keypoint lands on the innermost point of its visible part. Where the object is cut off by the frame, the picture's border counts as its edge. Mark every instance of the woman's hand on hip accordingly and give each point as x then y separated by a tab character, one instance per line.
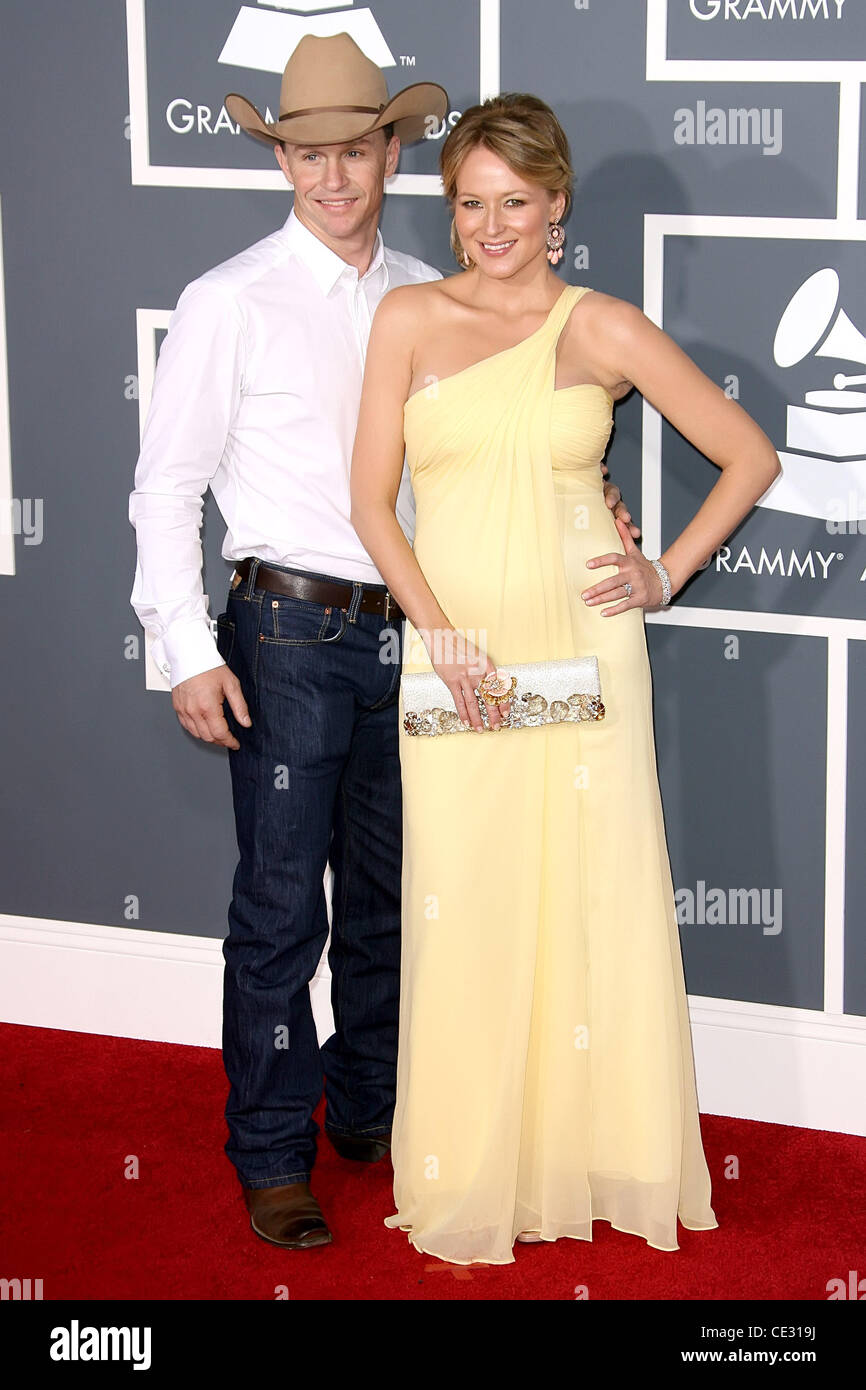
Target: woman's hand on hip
633	569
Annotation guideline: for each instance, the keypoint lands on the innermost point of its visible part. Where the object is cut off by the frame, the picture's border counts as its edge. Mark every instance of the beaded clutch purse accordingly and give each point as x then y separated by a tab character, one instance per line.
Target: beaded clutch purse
543	692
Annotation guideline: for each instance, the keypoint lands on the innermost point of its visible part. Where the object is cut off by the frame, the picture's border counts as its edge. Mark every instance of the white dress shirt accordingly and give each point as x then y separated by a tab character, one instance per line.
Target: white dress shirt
256	393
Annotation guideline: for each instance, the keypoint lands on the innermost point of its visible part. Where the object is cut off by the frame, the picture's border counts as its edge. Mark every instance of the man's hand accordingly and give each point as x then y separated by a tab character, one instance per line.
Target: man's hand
613	498
198	703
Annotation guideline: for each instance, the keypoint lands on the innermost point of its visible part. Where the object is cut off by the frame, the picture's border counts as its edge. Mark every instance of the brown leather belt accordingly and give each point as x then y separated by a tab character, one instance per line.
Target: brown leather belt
327	591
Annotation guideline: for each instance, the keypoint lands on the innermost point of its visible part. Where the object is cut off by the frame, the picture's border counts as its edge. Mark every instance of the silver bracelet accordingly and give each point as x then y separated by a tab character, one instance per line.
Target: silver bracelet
666	581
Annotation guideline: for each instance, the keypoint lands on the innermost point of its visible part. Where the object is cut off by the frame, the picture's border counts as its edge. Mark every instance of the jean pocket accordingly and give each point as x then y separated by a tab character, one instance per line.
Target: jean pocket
225	636
298	622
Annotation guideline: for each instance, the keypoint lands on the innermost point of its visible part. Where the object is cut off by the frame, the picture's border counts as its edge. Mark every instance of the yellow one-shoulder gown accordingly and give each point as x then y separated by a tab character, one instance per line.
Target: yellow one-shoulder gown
545	1073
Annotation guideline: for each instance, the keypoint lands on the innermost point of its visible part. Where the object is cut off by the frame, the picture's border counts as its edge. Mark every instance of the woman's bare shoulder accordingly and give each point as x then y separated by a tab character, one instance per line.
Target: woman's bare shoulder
410	301
606	313
423	298
599	328
406	311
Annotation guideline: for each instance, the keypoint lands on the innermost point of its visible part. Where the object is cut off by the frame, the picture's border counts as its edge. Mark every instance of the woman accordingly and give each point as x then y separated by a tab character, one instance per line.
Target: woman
545	1075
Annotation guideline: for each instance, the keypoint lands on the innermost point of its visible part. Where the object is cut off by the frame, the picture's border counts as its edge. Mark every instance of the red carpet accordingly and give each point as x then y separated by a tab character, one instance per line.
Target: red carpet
75	1106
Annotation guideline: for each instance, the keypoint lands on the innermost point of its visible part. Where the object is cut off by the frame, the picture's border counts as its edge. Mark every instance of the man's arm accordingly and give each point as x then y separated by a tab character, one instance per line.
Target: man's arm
195	395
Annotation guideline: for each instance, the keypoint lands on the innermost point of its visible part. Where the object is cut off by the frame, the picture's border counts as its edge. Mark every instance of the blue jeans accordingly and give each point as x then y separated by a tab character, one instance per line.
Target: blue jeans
316	779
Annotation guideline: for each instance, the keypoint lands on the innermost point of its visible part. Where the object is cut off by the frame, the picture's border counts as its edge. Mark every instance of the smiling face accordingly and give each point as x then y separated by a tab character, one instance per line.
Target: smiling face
339	188
501	217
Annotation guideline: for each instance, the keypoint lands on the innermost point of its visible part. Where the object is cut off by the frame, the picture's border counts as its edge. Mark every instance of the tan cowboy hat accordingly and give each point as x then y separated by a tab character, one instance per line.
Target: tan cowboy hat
332	92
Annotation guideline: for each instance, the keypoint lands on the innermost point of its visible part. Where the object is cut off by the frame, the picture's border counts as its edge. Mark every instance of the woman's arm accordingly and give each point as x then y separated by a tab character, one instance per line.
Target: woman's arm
377	461
634	348
377	464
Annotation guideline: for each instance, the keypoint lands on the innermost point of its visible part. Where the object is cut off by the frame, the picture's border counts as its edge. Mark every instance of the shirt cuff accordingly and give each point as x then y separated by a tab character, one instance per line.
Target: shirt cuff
187	649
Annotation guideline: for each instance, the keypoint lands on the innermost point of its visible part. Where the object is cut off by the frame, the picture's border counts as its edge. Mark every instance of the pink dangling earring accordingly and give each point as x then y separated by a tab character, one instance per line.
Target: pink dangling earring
555	243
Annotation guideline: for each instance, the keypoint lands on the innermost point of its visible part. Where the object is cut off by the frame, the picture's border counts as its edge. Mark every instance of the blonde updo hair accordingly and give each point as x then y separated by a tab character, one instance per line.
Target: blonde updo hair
523	131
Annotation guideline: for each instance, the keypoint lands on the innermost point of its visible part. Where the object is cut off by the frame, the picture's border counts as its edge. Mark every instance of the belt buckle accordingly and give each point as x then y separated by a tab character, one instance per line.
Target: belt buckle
387	605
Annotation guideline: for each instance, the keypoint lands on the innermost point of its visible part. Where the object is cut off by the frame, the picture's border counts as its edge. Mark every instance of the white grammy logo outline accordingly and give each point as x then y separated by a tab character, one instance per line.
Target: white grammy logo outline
822	478
265	40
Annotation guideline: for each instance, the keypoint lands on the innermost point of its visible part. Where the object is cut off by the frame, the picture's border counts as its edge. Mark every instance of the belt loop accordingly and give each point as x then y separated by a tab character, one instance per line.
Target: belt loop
238	590
251	577
357	595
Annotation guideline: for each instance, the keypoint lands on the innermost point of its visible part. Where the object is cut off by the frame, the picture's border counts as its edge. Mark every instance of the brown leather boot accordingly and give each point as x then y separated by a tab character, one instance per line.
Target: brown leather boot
289	1216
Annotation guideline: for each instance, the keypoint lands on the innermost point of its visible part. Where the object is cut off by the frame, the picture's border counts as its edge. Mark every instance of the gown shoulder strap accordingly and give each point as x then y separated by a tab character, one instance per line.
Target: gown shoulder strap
570	296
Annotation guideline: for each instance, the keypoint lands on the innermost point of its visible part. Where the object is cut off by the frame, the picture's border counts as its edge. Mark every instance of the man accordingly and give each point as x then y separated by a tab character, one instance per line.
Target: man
256	395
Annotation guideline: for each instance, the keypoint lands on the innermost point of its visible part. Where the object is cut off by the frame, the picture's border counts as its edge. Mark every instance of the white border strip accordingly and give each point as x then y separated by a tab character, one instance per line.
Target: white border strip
781	1066
660	68
7	539
755	1061
489	49
848	164
792	228
778	1019
148	322
123	982
652	420
835	824
136	62
742	620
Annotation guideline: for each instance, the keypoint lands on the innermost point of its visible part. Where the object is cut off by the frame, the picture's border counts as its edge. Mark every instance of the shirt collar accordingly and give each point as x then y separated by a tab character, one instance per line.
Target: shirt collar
326	266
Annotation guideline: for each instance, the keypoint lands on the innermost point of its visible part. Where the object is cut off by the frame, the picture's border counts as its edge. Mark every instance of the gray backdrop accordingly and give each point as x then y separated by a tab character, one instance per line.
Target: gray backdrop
121	181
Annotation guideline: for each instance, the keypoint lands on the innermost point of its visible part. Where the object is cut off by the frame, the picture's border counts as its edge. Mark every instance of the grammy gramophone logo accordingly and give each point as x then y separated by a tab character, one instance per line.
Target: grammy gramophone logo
824	462
264	38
